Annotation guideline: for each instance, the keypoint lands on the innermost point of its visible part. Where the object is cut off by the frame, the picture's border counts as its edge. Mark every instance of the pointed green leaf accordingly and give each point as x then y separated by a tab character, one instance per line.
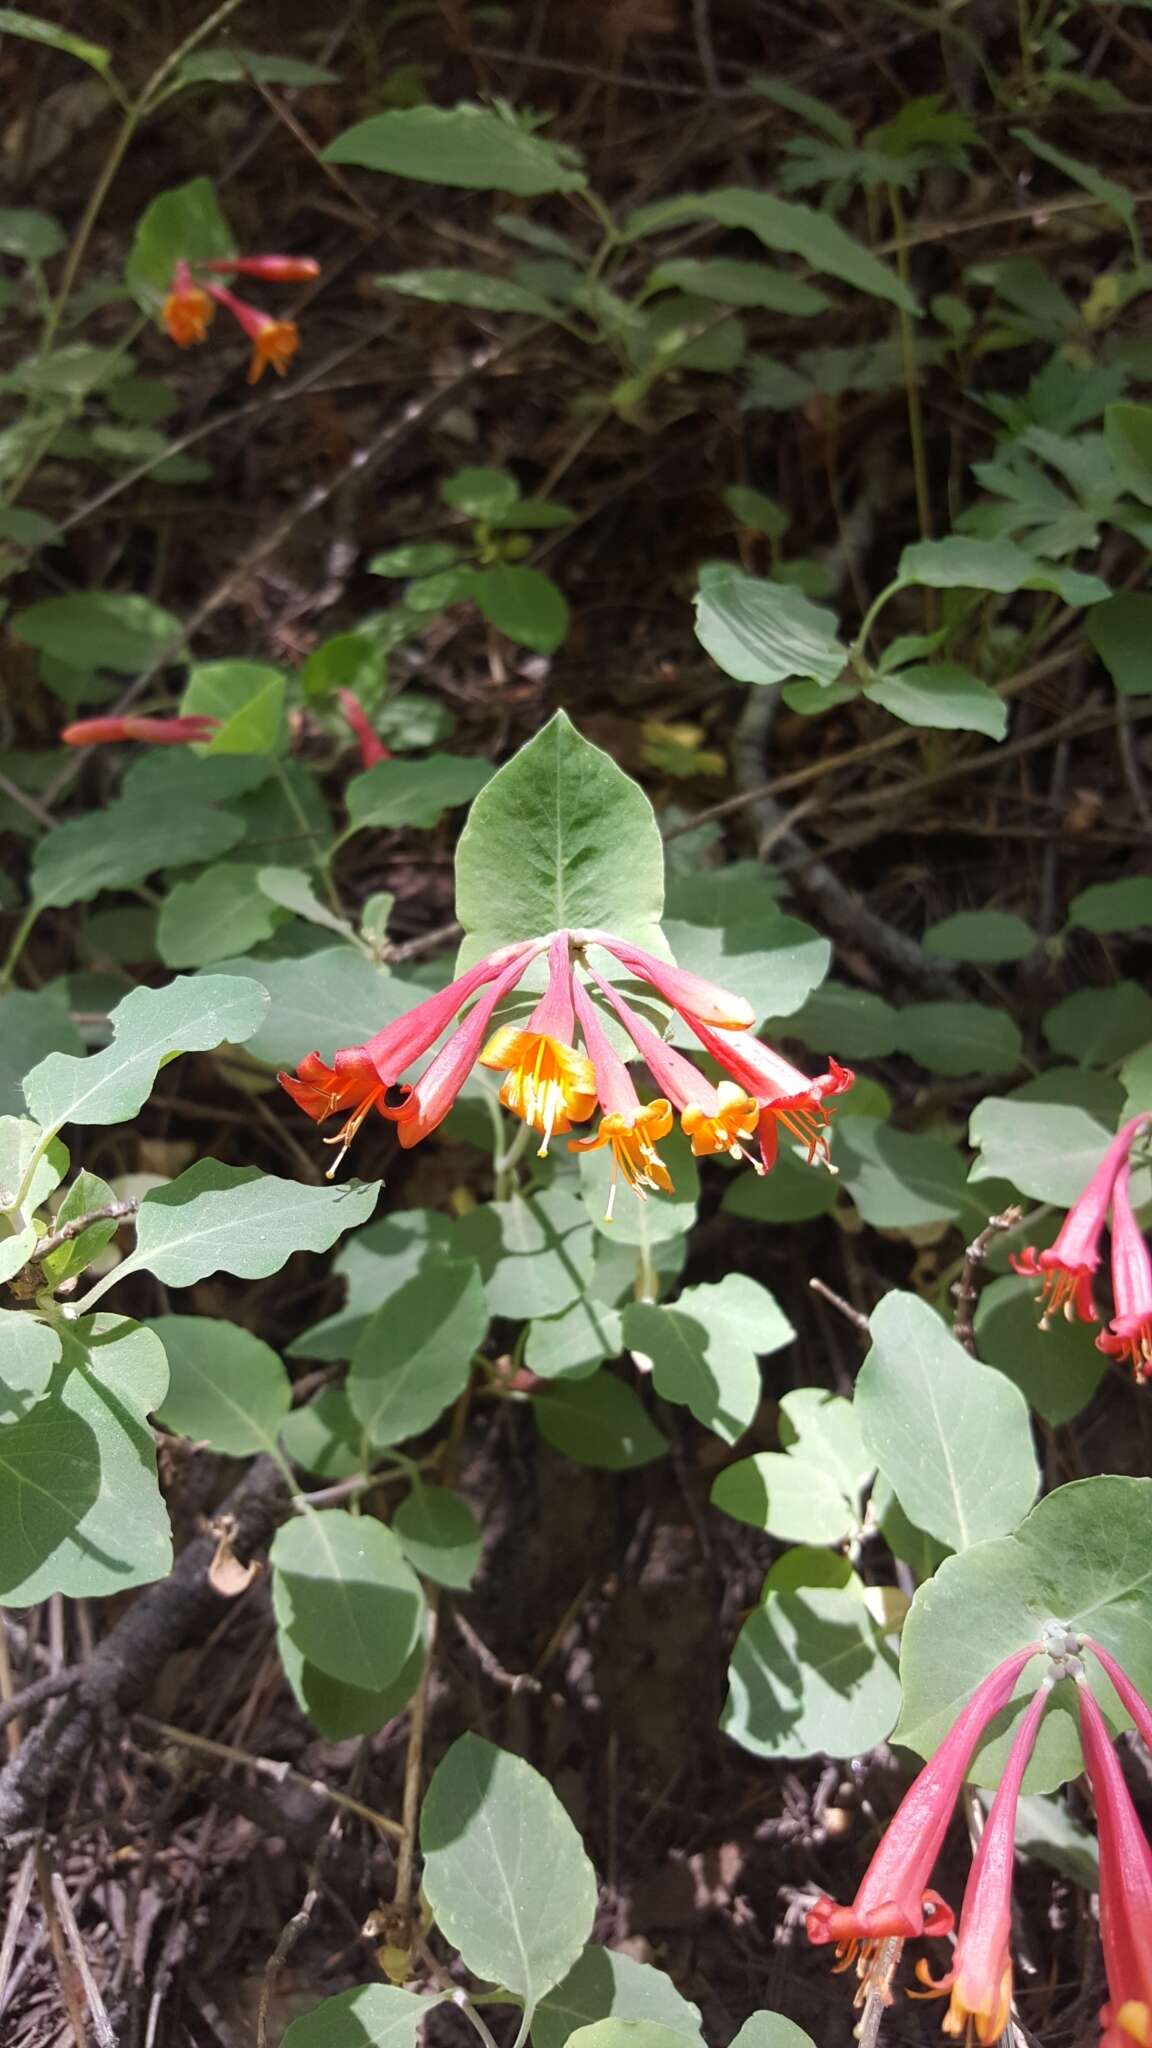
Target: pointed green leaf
560	836
475	147
943	697
960	563
99	629
523	603
213	917
397	793
987	937
467	288
782	225
117	847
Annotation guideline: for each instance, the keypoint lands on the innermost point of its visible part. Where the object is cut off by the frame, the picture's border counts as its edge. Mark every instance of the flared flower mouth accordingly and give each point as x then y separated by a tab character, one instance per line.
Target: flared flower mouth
1129	1338
1064	1290
632	1139
727	1128
979	2006
351	1083
548	1085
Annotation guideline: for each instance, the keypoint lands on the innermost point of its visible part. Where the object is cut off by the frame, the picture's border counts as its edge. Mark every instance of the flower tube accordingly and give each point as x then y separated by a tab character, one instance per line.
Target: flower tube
1066	1269
549	1085
631	1129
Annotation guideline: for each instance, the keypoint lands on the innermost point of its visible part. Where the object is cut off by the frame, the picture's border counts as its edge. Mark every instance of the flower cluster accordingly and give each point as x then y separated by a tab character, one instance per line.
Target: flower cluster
190	306
1067	1268
893	1905
551	1082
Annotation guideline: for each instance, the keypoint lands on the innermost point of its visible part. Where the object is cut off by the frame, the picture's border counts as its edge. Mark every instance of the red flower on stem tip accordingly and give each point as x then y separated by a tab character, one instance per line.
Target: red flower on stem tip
365	1077
158	732
980	1979
1129	1334
273	341
1066	1270
273	269
1125	1881
372	748
188	311
549	1085
629	1128
789	1099
713	1119
893	1903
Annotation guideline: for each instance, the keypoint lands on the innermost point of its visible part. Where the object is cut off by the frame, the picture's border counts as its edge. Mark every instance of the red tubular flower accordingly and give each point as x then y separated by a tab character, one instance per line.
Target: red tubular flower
372	749
980	1979
434	1093
1065	1271
364	1077
188	311
1129	1334
158	732
549	1084
1134	1702
892	1902
630	1128
1125	1885
688	993
273	269
273	341
714	1119
789	1099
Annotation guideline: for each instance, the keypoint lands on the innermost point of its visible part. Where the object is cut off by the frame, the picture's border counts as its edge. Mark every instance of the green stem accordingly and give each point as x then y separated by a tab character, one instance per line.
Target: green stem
20	939
505	1163
872	614
911	382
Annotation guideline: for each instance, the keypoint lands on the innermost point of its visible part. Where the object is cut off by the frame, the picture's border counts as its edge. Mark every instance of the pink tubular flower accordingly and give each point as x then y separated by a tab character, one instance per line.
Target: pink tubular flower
1065	1271
980	1979
158	732
434	1093
893	1902
630	1128
789	1099
1125	1885
714	1119
1134	1702
1129	1334
365	1077
372	748
548	1084
688	993
273	269
273	341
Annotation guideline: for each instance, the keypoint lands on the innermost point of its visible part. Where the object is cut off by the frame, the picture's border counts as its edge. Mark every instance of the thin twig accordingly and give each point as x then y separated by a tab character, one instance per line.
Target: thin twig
17	1907
964	1290
111	1212
510	1681
269	1767
102	2026
855	1316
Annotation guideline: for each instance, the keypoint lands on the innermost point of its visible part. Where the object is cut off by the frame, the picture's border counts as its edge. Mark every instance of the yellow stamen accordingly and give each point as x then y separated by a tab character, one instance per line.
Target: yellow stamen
633	1139
549	1086
735	1120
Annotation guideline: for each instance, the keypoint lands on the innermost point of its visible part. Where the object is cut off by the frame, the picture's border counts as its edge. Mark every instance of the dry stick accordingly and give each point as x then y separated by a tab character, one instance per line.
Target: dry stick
510	1681
102	2026
60	1956
18	1906
111	1212
34	1695
855	1316
268	1767
964	1289
866	750
290	1934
